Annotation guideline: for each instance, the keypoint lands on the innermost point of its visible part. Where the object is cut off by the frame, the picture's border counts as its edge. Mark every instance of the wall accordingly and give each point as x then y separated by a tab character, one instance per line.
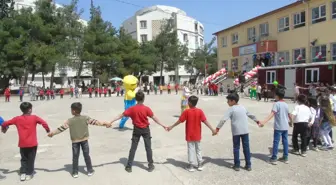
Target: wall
130	26
286	41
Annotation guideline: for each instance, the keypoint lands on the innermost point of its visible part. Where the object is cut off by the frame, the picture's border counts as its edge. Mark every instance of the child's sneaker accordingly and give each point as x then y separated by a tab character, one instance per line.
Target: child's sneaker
75	175
200	167
304	154
91	173
29	177
330	147
295	152
315	149
128	169
151	167
284	160
236	168
273	161
248	168
23	177
190	168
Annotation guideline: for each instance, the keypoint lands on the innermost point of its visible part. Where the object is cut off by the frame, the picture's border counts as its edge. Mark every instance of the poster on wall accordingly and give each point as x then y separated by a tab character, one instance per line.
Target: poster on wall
248	62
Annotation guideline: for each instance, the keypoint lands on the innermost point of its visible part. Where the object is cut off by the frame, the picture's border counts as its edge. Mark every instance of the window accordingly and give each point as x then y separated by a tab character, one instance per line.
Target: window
201	42
143	24
333	10
264	29
283	58
201	30
299	55
196	42
319	53
283	24
299	19
251	33
234	38
196	27
224	42
270	77
225	64
185	37
333	52
143	38
319	14
234	65
312	75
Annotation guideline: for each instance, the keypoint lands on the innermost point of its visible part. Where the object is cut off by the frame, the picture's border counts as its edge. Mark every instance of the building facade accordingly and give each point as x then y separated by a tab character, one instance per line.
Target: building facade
301	32
61	74
146	24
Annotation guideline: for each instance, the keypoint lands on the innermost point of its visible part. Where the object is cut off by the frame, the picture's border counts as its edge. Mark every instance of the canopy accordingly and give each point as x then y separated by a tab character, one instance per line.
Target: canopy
115	79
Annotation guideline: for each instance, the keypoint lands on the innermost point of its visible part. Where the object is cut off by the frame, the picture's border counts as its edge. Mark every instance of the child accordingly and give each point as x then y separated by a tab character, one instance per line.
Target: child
48	93
21	93
327	119
41	93
139	115
52	94
314	123
62	93
100	92
79	133
26	126
105	91
96	92
301	116
90	92
7	94
281	119
239	124
193	117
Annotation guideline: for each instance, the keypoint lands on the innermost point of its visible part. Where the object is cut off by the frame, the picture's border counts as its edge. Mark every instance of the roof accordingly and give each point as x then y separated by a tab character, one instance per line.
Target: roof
300	65
167	9
262	16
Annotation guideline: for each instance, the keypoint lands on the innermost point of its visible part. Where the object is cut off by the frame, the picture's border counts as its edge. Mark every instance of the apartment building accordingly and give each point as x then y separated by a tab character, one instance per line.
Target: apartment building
301	32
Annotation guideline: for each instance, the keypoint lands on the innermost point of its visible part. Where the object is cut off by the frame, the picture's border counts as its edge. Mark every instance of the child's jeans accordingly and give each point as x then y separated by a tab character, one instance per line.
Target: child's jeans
75	156
194	150
28	156
325	130
276	139
246	149
302	130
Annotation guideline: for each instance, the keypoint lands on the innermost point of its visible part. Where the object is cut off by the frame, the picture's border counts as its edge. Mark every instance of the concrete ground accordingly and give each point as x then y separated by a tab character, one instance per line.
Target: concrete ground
109	148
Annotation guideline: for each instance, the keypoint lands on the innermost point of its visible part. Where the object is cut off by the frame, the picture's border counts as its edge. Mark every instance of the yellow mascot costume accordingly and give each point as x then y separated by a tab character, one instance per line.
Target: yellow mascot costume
130	83
184	98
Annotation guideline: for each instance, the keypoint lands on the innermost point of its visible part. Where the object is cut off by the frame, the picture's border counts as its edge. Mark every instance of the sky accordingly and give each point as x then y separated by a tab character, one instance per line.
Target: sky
215	15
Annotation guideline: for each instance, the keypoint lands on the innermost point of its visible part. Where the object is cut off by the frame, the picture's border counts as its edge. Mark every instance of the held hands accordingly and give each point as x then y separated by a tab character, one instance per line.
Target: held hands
261	124
169	128
214	132
108	125
50	134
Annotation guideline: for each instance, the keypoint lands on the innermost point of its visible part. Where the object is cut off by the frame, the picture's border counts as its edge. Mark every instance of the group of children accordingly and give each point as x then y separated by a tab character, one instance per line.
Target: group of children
302	116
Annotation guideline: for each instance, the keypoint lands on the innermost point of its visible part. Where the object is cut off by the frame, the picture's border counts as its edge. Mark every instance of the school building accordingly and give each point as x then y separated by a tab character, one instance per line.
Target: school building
300	33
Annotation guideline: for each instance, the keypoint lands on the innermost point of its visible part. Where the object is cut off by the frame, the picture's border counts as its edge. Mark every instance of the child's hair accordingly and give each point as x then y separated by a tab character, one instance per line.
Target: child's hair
25	107
326	107
233	97
140	96
280	93
193	100
302	99
312	102
77	107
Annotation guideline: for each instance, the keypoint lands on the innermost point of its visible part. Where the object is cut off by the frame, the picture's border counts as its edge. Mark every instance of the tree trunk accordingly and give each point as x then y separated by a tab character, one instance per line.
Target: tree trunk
25	80
94	73
43	82
52	76
161	71
33	76
4	83
177	79
79	72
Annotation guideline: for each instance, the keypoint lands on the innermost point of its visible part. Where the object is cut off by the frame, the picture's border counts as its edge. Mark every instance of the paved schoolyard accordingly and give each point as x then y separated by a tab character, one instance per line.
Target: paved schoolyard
109	148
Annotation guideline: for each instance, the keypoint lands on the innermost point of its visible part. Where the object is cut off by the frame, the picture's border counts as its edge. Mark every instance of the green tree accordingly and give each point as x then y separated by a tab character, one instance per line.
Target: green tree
6	7
203	60
100	43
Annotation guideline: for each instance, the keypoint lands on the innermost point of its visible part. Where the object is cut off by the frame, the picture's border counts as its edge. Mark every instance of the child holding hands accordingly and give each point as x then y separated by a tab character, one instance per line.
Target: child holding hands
239	124
193	117
139	115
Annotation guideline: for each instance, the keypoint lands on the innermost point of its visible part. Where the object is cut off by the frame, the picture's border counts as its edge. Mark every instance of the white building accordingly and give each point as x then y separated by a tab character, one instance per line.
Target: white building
61	75
147	23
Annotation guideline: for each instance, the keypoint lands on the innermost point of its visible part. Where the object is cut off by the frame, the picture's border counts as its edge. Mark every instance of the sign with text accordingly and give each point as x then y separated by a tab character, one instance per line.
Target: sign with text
247	50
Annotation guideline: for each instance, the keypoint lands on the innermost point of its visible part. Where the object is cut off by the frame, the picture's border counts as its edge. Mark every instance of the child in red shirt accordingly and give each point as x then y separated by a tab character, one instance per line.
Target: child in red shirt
7	94
139	115
168	88
100	92
52	96
96	92
90	92
41	94
26	126
48	94
105	91
21	93
193	117
62	93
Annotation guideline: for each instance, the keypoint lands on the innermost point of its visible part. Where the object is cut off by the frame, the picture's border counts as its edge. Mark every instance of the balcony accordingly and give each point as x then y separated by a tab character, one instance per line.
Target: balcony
320	60
299	61
283	63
